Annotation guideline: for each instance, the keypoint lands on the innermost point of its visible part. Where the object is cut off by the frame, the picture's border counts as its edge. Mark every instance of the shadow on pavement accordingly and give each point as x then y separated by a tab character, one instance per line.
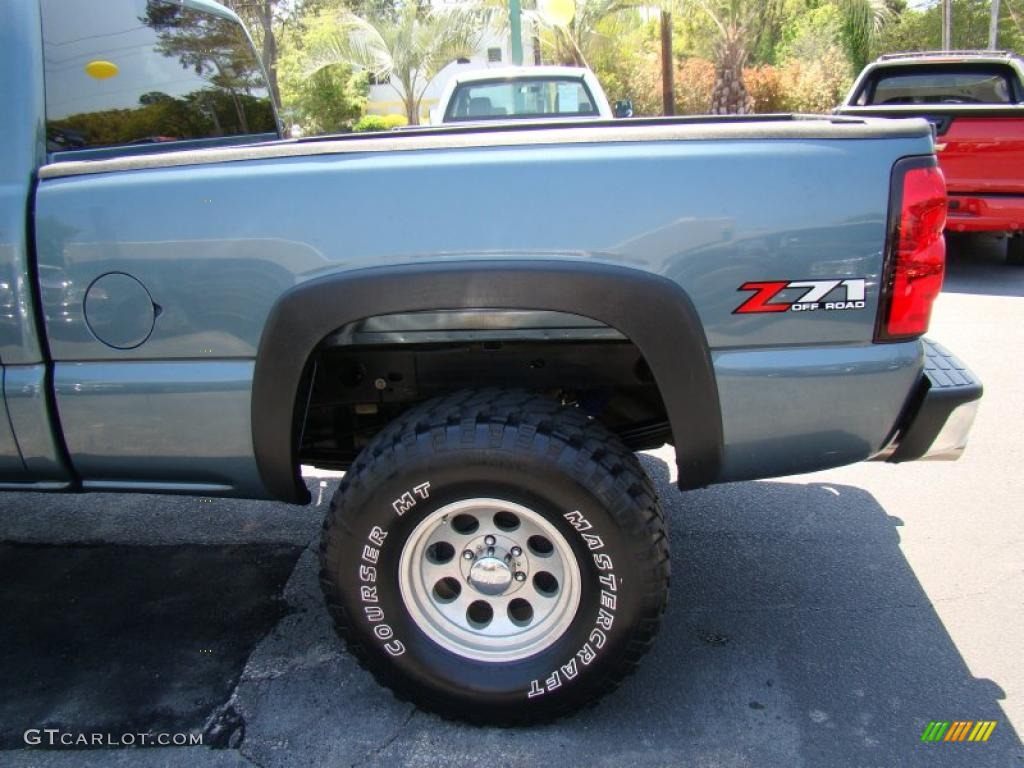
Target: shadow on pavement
129	639
799	635
977	264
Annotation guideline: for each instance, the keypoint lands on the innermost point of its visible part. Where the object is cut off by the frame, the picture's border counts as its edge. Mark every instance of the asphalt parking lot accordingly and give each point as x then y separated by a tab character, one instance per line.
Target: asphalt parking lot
816	621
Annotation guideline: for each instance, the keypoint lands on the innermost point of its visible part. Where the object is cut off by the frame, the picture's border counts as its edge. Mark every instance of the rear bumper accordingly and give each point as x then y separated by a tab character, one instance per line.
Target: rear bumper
985	213
938	418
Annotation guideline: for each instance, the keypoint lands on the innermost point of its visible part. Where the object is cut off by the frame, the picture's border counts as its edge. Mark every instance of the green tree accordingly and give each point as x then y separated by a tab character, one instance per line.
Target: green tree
408	48
920	29
213	48
813	34
265	21
627	43
1012	19
330	99
270	22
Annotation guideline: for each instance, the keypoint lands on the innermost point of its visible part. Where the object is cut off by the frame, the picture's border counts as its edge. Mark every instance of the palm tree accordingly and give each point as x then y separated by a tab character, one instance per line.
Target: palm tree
734	23
407	49
862	21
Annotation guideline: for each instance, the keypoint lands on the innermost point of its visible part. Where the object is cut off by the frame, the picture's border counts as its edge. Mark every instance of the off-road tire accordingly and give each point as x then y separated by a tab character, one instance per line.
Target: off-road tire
528	450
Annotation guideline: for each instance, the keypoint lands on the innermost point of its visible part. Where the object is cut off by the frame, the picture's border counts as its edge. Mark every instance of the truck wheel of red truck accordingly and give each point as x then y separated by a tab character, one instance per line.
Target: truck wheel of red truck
495	556
1015	250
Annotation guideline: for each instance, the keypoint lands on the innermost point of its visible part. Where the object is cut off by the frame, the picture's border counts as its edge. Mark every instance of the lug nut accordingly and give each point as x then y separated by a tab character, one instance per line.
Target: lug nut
468	555
520	576
489	541
516	551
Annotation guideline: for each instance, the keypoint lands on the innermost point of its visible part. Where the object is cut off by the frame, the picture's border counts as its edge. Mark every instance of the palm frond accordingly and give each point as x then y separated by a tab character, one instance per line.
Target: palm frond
862	21
358	43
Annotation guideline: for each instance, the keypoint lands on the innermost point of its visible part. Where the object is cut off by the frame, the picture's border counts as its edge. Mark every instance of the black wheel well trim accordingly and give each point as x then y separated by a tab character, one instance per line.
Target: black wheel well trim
653	312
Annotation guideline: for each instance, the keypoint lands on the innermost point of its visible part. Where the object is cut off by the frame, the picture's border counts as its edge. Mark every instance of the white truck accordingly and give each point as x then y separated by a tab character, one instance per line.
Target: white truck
524	93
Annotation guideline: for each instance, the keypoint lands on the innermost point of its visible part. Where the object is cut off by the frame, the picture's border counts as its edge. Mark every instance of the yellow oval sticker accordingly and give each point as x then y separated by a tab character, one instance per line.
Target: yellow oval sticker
558	12
101	70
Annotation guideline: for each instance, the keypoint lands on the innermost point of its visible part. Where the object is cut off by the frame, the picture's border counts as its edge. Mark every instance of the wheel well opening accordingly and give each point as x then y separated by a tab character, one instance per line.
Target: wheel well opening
358	388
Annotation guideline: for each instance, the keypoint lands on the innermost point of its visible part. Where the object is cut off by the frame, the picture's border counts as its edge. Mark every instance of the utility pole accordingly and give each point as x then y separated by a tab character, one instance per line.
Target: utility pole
947	25
515	20
668	101
993	27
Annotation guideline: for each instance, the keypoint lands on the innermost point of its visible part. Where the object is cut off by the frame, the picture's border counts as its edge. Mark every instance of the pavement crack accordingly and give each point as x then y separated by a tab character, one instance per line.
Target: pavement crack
388	741
225	726
225	729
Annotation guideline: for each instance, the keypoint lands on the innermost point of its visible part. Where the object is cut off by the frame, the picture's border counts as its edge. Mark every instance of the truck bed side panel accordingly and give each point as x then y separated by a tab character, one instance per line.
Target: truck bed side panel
216	245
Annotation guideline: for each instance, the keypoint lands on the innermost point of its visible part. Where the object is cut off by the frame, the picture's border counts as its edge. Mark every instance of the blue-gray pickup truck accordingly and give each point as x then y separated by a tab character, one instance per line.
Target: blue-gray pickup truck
480	325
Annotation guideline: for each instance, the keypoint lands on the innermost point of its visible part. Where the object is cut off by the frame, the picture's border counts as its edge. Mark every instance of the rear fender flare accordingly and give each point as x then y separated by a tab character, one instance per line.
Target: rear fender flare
653	312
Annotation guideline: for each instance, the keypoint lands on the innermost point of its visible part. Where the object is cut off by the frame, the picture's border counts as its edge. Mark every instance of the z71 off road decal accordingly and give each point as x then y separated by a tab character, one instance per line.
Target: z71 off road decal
841	294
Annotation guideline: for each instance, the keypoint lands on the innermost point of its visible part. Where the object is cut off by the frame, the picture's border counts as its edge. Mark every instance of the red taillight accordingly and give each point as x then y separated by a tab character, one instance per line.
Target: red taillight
918	252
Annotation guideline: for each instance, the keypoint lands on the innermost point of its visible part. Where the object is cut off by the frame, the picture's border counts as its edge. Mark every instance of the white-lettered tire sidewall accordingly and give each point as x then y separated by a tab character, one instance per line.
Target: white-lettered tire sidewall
378	519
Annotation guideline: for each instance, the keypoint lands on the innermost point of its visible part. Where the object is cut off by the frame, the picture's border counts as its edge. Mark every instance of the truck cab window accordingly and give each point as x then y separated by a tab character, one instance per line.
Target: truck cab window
533	97
148	71
941	86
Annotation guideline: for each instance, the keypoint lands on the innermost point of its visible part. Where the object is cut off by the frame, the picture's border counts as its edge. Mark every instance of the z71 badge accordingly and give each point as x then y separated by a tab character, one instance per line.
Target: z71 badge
811	297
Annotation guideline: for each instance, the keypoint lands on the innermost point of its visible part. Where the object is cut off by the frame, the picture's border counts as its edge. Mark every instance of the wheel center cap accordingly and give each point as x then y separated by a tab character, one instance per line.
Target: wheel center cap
490	575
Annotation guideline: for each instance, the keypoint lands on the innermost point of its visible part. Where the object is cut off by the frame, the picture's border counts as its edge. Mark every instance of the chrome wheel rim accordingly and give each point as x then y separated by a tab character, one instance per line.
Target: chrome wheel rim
489	580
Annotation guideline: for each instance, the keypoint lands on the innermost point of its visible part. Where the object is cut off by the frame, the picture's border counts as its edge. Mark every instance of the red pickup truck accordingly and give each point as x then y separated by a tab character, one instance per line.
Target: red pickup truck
975	101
